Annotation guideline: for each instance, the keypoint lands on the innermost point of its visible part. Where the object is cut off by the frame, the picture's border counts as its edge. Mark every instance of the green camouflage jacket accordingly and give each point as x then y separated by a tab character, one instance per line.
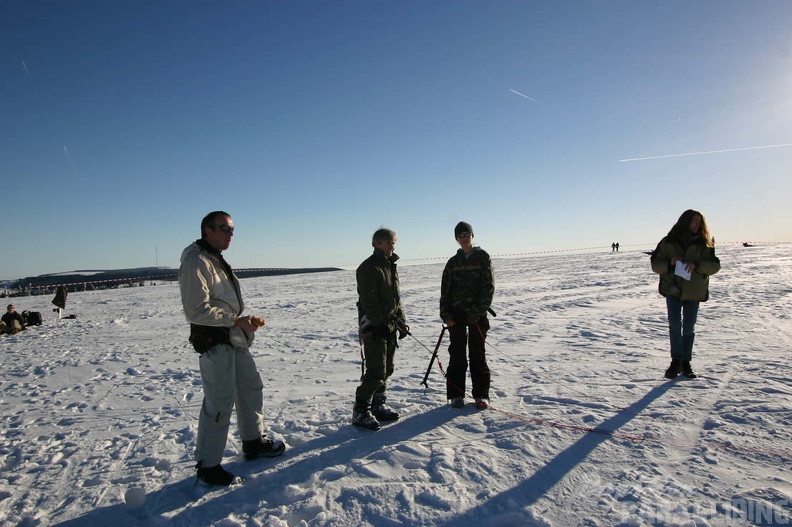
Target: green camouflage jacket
467	287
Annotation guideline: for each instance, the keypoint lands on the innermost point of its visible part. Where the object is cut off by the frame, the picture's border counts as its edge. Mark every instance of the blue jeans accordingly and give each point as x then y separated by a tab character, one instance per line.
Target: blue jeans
681	326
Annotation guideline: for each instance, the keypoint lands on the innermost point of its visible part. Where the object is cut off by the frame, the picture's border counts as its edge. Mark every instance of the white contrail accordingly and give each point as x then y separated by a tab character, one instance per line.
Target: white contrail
70	161
702	153
26	70
523	95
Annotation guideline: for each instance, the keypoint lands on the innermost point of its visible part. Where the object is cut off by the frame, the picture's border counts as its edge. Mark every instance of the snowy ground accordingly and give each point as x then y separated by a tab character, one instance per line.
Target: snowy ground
98	414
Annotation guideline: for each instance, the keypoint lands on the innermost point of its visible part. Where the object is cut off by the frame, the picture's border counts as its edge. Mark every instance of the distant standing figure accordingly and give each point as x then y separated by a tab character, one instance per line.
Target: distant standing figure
690	245
613	247
617	246
213	305
13	322
466	292
381	316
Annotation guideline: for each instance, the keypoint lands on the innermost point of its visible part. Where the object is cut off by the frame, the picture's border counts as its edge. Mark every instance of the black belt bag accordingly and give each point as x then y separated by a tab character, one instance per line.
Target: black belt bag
204	338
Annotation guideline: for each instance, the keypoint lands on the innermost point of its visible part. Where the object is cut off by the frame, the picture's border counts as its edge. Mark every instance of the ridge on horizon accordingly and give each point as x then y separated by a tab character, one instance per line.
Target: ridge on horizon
308	269
86	277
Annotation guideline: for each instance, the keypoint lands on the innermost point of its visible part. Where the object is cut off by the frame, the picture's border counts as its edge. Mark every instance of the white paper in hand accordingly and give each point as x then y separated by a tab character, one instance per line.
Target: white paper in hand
680	270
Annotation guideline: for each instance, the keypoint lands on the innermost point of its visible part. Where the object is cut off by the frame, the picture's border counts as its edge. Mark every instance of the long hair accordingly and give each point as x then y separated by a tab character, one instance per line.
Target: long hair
682	226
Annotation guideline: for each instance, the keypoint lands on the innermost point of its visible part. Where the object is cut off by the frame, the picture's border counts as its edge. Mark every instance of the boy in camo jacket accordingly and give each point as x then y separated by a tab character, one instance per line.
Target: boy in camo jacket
467	288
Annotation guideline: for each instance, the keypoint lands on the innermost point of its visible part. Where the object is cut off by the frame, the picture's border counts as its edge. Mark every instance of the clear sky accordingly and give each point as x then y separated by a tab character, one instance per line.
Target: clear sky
314	123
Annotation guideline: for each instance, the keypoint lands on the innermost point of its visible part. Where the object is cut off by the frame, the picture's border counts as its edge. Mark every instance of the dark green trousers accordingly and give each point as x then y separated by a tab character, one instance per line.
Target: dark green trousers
378	352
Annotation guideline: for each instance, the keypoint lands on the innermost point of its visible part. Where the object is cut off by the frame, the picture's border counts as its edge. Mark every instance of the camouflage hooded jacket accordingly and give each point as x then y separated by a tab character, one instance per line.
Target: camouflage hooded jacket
467	287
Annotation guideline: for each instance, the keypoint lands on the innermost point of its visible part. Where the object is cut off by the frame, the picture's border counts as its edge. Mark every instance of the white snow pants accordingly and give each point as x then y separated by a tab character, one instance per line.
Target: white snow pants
229	377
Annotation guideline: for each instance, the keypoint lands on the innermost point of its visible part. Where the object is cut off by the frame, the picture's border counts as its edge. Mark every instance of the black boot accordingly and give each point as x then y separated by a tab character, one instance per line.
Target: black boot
382	411
262	447
674	369
687	370
362	417
216	475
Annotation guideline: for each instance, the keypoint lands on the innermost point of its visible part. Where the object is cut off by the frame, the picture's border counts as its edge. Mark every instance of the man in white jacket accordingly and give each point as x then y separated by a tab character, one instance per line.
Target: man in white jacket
213	305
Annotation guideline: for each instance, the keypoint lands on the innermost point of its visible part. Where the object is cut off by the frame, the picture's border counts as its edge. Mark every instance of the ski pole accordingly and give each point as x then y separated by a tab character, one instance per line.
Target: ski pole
362	361
434	354
362	355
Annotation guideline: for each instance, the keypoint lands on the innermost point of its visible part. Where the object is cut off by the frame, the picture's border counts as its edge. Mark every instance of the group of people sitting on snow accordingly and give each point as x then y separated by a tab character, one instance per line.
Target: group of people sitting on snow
12	322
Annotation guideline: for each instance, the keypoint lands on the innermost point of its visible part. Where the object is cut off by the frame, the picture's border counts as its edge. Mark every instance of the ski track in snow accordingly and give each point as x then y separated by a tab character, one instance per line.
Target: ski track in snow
93	407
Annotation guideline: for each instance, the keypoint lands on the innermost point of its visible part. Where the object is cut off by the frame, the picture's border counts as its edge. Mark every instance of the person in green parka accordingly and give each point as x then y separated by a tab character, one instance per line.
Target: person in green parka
684	259
381	317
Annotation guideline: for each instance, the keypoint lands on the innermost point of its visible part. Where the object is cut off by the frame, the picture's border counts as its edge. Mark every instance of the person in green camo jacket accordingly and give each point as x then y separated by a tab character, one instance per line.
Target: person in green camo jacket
466	292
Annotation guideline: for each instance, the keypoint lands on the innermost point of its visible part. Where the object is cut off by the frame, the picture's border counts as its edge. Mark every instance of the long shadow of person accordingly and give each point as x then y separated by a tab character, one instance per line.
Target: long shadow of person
513	503
298	466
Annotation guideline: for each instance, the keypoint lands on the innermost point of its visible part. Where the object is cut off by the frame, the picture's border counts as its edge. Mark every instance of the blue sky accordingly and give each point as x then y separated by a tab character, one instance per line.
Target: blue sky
315	123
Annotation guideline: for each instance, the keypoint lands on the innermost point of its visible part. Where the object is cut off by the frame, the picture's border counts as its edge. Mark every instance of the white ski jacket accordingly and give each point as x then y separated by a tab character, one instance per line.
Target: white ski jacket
210	297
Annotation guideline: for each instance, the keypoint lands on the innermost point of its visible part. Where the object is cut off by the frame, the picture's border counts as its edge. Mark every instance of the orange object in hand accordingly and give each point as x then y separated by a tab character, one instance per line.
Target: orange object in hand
256	321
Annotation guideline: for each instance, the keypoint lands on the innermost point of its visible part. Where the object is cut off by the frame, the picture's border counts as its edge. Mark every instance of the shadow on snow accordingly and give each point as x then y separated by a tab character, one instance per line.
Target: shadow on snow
340	448
543	480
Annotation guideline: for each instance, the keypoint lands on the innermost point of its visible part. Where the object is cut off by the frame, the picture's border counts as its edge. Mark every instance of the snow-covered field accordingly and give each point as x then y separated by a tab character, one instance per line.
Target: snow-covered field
98	414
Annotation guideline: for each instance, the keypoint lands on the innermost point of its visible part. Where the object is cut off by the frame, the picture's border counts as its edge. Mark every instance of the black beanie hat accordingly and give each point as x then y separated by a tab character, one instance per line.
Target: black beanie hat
461	227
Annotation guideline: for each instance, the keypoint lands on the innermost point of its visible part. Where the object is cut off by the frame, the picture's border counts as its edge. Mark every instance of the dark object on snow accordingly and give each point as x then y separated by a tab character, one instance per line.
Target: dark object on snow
365	419
215	475
674	369
687	370
261	448
746	244
381	411
32	318
60	297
